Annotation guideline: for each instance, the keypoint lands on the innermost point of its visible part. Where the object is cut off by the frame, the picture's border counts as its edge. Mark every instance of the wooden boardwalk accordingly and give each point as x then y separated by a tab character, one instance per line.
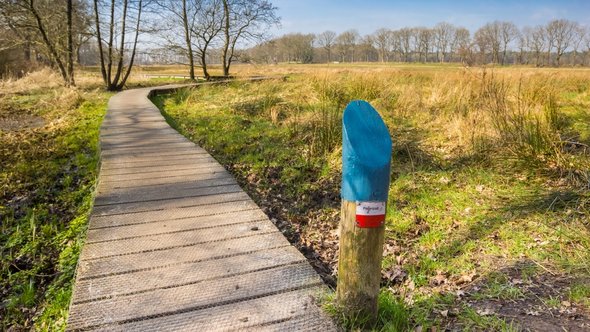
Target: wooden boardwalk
175	244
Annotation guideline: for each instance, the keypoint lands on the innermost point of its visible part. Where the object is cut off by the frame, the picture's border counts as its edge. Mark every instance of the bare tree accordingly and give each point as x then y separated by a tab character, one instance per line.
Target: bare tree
495	42
347	42
366	49
508	32
537	41
462	44
396	45
326	41
117	29
577	41
42	22
70	45
265	52
382	42
423	37
444	33
560	34
488	39
296	47
179	20
209	24
244	20
405	35
524	45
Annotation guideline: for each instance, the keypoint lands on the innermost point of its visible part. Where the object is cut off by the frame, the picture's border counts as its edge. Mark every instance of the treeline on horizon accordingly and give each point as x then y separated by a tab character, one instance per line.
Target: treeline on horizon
559	42
116	35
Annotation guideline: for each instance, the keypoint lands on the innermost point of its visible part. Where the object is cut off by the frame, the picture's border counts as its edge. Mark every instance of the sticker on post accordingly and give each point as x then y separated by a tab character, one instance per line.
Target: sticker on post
370	214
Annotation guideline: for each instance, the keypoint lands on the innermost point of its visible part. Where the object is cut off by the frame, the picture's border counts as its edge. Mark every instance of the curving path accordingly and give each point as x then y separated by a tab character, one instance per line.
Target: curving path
175	244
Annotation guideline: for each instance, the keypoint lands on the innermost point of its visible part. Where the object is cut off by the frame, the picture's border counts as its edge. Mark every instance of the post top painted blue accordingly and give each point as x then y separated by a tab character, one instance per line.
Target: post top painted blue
366	153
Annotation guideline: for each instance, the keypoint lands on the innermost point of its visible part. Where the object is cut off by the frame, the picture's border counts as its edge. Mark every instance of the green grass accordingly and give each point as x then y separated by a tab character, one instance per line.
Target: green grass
466	203
47	178
580	293
393	315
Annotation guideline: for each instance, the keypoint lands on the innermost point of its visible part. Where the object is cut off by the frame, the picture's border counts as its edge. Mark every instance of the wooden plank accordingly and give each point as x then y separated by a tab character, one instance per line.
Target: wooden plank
138	174
256	314
148	217
118	285
210	195
160	192
173	257
174	225
186	238
161	302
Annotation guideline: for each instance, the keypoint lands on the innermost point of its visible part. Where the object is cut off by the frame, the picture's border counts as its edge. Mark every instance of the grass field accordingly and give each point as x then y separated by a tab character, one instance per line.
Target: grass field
488	218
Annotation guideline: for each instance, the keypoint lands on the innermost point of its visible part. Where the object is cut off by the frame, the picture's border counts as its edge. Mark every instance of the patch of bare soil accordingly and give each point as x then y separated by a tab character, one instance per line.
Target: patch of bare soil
14	119
20	122
542	303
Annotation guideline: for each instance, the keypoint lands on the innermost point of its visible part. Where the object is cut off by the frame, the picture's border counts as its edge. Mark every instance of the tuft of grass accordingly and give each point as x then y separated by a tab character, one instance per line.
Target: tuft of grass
473	320
580	293
393	314
499	287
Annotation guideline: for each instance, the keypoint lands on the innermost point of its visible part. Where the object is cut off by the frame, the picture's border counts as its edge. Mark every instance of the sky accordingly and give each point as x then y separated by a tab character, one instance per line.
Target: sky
366	16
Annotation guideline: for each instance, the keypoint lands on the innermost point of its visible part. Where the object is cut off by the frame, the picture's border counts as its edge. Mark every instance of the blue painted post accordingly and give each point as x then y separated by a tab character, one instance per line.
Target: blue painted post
366	163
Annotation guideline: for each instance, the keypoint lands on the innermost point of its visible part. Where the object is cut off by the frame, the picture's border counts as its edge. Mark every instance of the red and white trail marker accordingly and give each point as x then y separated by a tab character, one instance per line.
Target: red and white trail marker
370	214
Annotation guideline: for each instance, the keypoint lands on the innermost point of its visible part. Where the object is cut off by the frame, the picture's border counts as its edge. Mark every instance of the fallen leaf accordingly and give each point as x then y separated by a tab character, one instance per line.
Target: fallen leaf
439	279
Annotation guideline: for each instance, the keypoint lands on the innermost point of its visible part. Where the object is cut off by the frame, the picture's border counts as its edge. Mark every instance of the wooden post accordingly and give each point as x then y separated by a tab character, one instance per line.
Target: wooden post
366	163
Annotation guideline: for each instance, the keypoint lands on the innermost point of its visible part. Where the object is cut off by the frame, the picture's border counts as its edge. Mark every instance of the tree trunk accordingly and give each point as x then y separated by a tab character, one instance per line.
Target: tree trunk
187	39
574	59
204	64
70	51
110	53
99	39
27	51
132	58
52	50
115	81
225	58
